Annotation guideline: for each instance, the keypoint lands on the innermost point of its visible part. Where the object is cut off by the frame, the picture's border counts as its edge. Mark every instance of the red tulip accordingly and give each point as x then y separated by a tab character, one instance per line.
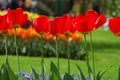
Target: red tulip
81	24
3	23
61	25
91	17
41	24
67	25
17	17
100	21
56	26
91	21
94	20
114	25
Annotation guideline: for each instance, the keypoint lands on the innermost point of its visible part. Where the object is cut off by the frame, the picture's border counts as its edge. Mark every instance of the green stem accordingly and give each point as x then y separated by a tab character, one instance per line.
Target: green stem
68	57
91	44
57	54
17	52
87	62
6	51
42	62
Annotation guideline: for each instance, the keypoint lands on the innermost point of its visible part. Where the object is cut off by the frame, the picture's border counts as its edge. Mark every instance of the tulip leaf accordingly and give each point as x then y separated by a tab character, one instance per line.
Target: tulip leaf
68	77
81	75
10	72
26	78
53	76
0	74
4	71
119	73
89	68
23	78
54	73
100	74
35	76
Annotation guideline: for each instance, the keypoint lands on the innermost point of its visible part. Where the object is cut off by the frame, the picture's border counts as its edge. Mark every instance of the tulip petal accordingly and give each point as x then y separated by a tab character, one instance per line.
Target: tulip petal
113	25
41	24
100	21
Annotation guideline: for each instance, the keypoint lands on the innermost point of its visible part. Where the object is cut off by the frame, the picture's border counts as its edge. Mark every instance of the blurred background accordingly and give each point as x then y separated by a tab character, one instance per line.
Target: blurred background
59	7
53	8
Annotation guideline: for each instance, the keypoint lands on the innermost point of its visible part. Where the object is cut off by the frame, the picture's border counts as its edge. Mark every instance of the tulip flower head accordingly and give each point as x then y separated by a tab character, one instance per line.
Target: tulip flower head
4	26
56	26
62	25
41	24
94	20
81	24
88	22
114	25
17	17
67	24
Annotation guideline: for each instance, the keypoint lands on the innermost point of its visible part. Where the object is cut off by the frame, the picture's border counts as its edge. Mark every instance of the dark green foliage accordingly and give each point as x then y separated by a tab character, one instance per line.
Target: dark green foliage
0	74
68	77
10	72
89	68
35	75
119	73
100	74
6	72
32	46
80	73
54	73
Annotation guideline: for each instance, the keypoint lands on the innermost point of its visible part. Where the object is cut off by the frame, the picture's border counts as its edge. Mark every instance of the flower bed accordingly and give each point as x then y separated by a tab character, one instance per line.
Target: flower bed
62	31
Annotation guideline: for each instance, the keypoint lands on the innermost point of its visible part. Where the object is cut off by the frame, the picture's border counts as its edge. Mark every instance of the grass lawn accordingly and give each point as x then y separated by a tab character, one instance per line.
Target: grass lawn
107	53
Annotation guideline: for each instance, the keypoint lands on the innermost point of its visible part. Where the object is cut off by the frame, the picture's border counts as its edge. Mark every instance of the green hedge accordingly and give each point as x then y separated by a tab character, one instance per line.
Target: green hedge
31	47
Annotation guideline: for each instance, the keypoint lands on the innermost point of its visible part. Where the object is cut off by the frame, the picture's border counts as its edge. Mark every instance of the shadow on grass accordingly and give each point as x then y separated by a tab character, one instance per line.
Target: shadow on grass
105	45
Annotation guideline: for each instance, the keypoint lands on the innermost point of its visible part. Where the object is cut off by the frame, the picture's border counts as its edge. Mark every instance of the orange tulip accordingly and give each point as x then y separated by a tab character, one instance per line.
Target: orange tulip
62	37
48	36
77	37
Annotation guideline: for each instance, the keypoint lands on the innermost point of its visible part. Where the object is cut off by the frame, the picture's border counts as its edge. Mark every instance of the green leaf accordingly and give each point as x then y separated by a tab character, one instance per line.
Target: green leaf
4	71
35	76
68	77
23	78
81	75
54	74
100	74
10	72
98	78
119	73
0	74
89	68
26	78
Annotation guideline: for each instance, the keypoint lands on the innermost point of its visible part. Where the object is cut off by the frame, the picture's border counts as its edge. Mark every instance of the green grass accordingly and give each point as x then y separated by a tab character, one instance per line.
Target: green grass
106	49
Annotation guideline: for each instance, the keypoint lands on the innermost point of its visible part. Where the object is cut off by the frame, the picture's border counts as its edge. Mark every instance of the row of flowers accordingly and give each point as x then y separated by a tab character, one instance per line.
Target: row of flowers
65	25
31	33
28	42
59	25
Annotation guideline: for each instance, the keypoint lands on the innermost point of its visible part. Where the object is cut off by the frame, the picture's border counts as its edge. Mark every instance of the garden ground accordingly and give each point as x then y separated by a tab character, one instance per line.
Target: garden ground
106	49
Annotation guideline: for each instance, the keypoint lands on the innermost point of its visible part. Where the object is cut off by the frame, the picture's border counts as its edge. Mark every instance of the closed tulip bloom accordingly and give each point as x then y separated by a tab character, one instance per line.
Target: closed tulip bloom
67	25
114	25
89	22
56	26
4	26
17	17
41	24
94	20
80	24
